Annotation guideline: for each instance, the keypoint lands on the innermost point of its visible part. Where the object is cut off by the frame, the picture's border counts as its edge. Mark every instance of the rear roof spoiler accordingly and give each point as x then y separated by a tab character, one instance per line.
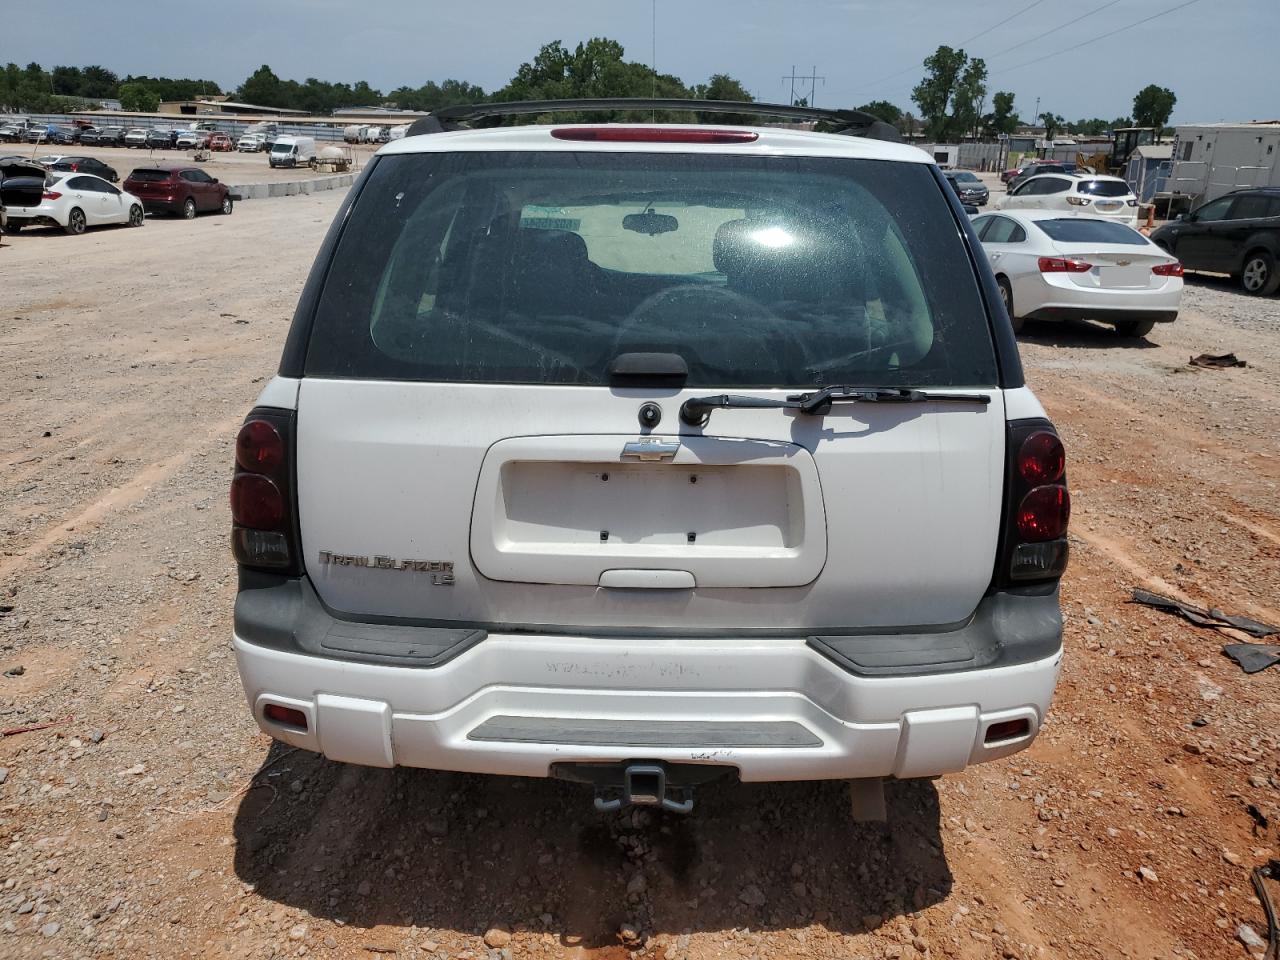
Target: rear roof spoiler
853	123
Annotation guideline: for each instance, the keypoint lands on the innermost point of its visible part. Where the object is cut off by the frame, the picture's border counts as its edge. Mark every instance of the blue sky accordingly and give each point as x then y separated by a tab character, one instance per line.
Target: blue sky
1217	55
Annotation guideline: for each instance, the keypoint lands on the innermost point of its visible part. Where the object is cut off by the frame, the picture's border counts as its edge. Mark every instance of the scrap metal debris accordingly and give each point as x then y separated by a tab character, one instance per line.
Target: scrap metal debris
13	731
1260	874
1253	657
1212	618
1217	361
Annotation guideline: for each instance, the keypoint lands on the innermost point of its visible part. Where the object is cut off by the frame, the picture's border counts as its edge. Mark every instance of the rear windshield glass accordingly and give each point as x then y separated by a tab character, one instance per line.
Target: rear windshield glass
1079	230
543	267
1104	188
150	176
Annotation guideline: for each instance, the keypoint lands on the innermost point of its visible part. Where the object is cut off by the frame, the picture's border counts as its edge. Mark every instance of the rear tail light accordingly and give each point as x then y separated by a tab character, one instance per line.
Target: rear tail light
264	534
1167	269
1037	506
1078	201
52	194
1061	265
615	134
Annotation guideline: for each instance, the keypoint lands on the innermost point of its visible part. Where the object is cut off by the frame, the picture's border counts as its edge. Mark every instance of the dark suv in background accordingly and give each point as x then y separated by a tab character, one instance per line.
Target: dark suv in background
970	189
1237	234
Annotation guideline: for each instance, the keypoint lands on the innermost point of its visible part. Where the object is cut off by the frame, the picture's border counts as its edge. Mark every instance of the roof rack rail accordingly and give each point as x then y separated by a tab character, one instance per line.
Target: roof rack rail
849	122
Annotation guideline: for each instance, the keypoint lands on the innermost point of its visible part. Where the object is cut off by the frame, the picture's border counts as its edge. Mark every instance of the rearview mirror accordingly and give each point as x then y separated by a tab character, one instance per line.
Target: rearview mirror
650	223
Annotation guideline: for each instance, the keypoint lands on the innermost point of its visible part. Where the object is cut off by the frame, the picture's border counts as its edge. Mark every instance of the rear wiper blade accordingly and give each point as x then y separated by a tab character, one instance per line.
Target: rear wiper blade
696	411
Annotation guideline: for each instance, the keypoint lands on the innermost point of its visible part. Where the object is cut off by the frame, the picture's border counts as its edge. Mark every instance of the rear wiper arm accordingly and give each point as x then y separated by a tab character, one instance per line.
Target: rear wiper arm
696	411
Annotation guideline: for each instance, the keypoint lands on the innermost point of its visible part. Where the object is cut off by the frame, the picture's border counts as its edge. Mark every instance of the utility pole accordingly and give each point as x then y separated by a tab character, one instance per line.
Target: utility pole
813	79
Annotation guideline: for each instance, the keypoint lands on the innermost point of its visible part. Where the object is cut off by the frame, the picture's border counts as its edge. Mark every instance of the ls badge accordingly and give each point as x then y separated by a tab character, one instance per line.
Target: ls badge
441	570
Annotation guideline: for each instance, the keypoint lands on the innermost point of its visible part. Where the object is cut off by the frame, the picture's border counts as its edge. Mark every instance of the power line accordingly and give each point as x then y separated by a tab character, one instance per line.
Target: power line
1070	23
1101	36
894	76
981	33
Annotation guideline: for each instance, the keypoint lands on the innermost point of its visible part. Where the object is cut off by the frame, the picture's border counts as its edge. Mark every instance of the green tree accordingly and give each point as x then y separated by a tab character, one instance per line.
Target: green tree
262	87
99	83
1052	124
1003	117
139	97
951	93
1152	107
883	110
595	68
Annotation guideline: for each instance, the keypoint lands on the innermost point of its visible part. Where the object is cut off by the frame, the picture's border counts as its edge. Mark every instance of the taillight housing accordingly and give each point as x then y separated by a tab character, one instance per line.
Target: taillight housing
1078	201
1063	265
1167	269
1037	506
264	532
52	194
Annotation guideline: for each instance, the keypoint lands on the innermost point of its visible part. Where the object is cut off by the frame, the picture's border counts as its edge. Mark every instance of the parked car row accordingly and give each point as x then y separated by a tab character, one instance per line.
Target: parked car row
75	200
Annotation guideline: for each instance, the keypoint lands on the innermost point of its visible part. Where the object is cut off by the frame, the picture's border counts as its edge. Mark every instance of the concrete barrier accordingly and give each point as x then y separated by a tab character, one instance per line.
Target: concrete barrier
289	188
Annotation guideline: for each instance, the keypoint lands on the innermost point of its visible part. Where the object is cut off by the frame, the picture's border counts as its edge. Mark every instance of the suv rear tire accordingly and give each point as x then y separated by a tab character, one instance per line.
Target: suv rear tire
189	209
1259	276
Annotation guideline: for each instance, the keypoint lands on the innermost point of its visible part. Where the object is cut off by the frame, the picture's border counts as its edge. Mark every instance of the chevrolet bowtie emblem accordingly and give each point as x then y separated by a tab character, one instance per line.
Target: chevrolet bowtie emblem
650	449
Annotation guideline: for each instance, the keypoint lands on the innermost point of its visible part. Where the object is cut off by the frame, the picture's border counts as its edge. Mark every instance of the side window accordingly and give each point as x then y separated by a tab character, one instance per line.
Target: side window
82	183
1018	235
1000	230
1217	210
1250	207
980	225
1025	190
193	176
1055	185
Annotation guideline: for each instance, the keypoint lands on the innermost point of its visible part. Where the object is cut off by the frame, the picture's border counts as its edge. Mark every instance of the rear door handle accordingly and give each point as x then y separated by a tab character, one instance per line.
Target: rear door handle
648	579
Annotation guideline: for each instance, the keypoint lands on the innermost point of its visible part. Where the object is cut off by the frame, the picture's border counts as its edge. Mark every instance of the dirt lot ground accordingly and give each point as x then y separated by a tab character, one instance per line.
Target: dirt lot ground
230	168
158	822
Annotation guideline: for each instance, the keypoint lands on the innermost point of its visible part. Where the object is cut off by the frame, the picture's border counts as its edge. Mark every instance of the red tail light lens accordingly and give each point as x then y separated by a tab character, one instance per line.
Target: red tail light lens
286	716
259	447
1062	265
256	502
1167	269
1043	514
52	195
613	134
1041	458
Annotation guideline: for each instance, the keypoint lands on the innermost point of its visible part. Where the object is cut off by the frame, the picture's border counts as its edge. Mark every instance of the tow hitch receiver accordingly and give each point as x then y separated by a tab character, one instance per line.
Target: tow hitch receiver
645	784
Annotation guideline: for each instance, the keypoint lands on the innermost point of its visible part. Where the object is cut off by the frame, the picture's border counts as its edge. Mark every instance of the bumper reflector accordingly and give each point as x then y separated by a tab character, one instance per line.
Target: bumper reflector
1007	730
286	716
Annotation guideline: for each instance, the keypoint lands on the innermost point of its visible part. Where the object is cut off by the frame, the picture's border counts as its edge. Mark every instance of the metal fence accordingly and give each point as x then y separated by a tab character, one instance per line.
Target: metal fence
234	128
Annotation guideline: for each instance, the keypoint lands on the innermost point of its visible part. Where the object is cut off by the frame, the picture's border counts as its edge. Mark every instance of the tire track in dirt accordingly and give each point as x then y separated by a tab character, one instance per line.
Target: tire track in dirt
124	495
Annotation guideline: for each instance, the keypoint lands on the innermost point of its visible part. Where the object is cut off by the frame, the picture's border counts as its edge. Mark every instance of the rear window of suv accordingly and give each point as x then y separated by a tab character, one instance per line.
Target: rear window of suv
1103	188
150	176
542	267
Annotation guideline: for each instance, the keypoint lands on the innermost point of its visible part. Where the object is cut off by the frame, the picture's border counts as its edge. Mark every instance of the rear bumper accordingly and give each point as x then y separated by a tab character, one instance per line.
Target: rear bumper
773	708
1105	314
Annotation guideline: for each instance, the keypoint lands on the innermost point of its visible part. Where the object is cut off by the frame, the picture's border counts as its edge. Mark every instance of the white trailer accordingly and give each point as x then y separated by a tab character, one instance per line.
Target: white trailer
1213	159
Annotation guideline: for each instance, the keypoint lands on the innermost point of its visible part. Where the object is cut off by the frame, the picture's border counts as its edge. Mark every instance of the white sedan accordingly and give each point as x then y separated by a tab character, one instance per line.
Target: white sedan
76	201
1055	266
1090	194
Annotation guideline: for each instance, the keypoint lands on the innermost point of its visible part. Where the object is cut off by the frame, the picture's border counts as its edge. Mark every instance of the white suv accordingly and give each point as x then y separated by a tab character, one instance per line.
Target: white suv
1092	195
637	455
